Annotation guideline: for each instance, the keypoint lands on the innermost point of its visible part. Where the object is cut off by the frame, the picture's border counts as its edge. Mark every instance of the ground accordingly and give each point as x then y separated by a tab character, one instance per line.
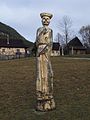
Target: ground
71	90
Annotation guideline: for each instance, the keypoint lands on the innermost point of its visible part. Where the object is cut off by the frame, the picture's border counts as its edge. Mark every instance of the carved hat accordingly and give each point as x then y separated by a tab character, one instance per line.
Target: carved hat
46	14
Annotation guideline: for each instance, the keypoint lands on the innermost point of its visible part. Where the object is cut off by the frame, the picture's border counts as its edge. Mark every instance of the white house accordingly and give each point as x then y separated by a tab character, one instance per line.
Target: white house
55	49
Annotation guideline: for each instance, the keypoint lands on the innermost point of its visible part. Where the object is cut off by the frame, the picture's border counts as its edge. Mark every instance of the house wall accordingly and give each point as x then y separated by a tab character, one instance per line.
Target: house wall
55	53
77	52
11	51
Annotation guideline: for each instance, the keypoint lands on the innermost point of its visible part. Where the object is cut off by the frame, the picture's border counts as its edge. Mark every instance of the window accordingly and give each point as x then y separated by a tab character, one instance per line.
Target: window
3	50
18	50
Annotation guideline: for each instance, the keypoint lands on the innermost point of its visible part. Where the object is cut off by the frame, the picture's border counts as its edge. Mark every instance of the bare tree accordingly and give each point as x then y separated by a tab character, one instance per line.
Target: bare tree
65	27
85	34
60	39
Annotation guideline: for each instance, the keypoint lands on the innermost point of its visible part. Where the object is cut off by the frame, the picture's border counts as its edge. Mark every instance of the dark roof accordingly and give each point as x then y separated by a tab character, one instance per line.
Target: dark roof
75	42
56	46
13	43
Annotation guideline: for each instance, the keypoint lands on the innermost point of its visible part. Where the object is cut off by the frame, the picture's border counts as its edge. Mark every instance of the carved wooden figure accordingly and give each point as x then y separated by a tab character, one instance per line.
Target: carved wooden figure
44	82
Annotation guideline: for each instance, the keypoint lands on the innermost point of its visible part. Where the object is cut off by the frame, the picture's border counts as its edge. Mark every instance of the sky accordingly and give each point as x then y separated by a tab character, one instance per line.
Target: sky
24	15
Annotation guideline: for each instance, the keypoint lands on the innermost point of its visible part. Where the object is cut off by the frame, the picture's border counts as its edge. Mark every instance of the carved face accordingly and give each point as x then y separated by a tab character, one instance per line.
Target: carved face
45	20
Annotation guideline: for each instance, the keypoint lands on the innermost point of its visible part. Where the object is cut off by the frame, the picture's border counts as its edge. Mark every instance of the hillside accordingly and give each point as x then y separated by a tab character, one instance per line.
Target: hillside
13	34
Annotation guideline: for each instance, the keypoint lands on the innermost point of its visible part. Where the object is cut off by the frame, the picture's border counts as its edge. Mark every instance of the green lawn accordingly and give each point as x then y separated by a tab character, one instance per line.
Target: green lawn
71	90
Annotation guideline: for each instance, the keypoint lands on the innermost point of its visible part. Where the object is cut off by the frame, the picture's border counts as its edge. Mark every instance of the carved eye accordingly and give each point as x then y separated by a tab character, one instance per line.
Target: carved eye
44	19
47	18
45	38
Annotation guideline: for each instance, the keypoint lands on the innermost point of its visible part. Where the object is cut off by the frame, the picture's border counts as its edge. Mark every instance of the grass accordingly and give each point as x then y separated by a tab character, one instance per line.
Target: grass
78	56
71	90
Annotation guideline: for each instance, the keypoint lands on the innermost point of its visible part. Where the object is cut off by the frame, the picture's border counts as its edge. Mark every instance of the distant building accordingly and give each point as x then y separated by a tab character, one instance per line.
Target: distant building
75	47
88	50
55	49
12	47
12	43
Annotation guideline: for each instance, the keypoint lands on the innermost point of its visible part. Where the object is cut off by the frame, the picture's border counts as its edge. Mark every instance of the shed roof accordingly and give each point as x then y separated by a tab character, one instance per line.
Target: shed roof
75	42
56	46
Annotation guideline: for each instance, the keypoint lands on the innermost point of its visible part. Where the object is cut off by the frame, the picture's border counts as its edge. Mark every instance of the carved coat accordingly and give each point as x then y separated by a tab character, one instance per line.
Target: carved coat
44	84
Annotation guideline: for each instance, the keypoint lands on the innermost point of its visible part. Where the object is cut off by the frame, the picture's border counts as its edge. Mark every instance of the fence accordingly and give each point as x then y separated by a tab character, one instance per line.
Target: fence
10	57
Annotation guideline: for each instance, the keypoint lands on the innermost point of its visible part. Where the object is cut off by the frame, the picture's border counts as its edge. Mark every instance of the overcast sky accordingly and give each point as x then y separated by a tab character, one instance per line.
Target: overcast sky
24	15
